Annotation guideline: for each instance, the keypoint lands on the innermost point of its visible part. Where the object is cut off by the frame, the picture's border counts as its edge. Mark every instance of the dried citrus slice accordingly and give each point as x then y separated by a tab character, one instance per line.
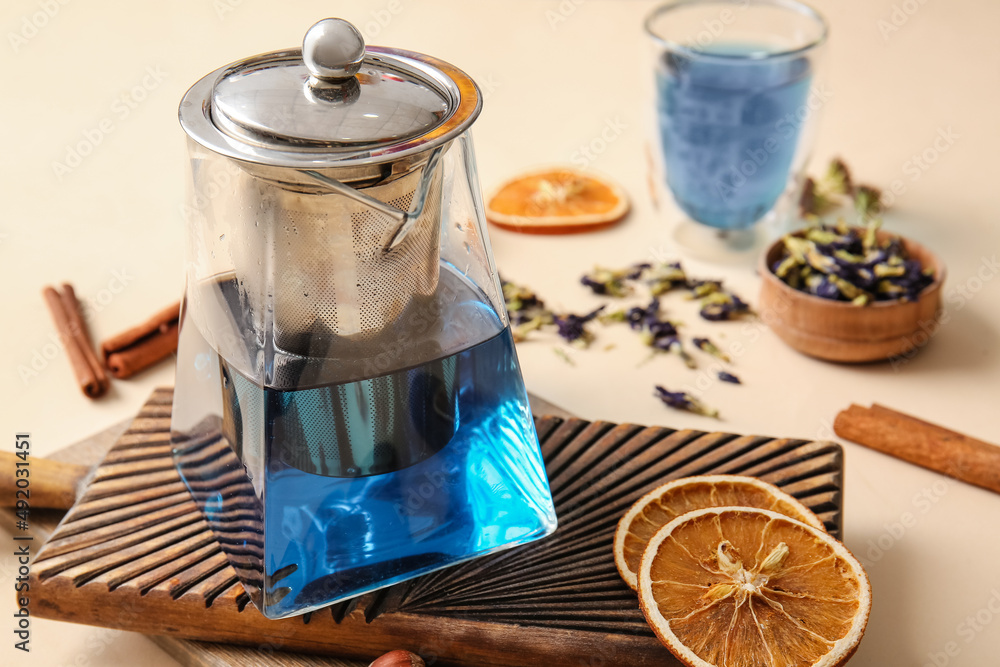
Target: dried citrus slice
668	501
557	200
746	587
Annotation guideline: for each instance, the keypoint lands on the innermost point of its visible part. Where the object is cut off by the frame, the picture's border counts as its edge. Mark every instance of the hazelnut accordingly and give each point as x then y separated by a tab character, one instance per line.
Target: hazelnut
398	658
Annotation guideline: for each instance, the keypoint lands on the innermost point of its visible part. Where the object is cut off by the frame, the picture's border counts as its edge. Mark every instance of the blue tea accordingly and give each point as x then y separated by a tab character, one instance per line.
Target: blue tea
729	124
319	491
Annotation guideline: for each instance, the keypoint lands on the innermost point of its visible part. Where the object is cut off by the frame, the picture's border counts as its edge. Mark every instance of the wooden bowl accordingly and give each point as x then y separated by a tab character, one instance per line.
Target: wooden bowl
841	331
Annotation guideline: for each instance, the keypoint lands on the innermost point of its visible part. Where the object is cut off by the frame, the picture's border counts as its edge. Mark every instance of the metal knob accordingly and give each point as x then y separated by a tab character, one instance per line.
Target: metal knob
333	50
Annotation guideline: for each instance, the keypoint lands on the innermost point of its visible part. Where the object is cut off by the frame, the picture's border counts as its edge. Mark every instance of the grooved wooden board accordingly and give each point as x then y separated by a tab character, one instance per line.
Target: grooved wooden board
134	553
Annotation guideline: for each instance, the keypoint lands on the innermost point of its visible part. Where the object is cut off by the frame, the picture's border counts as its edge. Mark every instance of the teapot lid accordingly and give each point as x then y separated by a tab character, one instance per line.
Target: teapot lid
331	103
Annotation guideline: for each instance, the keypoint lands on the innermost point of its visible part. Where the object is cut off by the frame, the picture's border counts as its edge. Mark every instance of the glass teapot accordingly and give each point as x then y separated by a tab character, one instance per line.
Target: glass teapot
349	409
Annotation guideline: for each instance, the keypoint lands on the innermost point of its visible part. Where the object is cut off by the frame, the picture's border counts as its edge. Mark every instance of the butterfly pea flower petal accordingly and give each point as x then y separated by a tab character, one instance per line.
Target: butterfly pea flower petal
524	309
838	178
783	267
521	330
707	346
720	306
663	277
613	316
847	289
572	328
870	238
638	316
845	258
868	201
682	401
886	270
729	377
826	236
671	344
703	288
820	262
815	201
676	347
636	270
608	282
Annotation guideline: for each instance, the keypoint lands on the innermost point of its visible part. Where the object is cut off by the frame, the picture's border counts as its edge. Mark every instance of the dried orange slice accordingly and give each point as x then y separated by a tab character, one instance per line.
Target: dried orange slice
746	587
668	501
557	200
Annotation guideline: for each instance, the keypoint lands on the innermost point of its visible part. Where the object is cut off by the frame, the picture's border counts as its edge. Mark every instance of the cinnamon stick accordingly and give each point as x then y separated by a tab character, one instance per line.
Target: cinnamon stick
142	346
65	311
82	335
928	445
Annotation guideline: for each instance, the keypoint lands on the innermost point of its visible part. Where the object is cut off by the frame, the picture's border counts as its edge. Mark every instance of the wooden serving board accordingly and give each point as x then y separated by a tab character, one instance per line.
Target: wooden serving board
134	553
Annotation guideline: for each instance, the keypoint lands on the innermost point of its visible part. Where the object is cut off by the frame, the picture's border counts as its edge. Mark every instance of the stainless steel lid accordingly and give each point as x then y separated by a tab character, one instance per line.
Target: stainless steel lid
333	103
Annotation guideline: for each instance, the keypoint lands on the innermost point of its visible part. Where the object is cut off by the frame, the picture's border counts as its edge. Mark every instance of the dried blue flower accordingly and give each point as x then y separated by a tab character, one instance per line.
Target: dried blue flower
707	346
673	345
838	178
572	327
525	310
723	305
636	271
814	202
649	318
522	303
636	315
783	267
729	377
659	328
703	288
520	331
610	282
664	277
822	287
868	202
682	401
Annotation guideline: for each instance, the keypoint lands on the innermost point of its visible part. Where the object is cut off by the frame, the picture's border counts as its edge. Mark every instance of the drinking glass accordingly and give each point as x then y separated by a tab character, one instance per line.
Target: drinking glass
737	94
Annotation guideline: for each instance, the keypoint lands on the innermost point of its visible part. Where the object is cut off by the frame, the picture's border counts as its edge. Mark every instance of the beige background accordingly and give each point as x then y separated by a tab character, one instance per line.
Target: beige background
112	227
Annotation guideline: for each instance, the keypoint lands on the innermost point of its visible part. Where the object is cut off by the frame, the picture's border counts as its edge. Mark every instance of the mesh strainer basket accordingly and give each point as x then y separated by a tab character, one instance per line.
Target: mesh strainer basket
333	275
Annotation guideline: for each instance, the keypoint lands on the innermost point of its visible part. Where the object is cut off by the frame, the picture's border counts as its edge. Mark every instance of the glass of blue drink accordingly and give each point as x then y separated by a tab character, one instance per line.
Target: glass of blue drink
737	91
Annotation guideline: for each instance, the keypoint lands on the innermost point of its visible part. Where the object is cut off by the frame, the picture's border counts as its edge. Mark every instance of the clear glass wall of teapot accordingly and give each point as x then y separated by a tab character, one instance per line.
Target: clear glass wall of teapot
349	410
